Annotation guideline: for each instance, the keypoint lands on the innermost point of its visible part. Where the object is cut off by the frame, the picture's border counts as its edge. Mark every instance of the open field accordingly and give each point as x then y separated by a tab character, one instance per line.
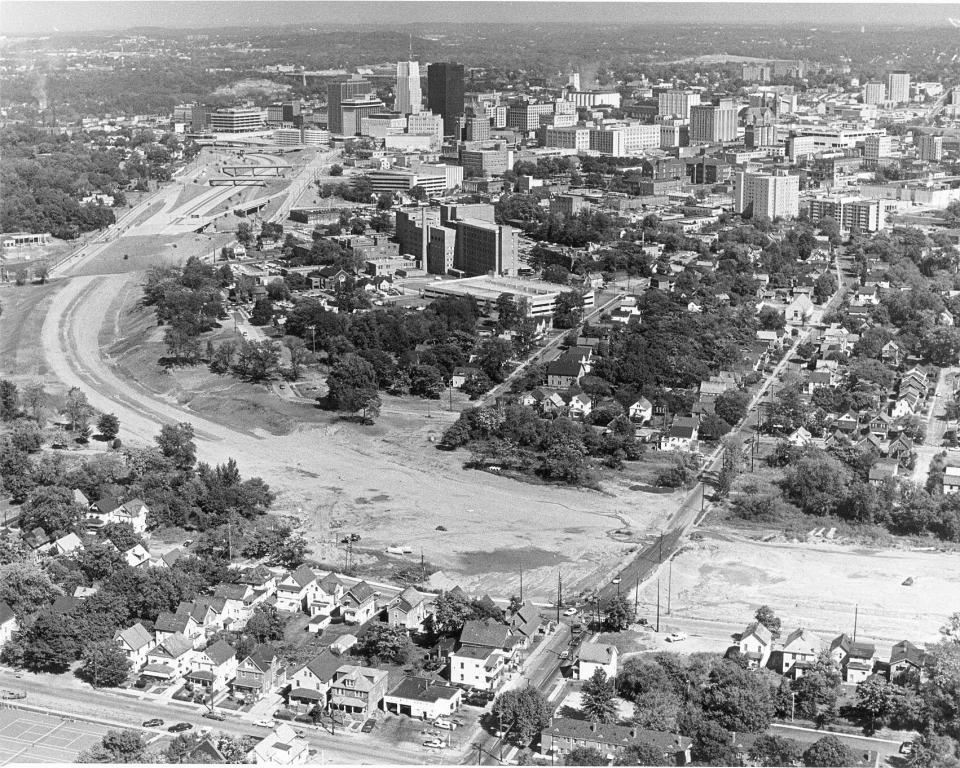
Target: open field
28	737
721	579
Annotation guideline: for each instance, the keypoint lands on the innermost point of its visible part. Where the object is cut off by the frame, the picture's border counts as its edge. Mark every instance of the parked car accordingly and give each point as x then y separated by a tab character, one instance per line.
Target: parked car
156	722
264	723
675	637
180	727
906	748
564	654
142	682
368	726
13	694
442	722
571	611
214	715
435	743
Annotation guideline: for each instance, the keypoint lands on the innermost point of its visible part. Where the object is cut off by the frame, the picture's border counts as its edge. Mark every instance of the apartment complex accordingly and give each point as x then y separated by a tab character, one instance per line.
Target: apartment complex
849	213
767	194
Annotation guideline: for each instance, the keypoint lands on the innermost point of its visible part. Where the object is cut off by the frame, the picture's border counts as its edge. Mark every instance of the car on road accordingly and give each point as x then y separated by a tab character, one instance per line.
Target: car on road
214	715
906	748
571	611
264	723
564	654
155	722
301	734
675	637
180	727
369	725
435	743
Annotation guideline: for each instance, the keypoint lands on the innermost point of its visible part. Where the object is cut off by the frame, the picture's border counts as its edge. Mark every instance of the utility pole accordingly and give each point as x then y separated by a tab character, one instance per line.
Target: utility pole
559	594
856	616
521	583
669	585
658	603
423	568
636	595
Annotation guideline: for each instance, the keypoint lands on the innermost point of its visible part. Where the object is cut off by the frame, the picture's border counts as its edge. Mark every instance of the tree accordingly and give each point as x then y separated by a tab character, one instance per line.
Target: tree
176	443
257	360
426	381
299	355
568	309
525	711
262	313
776	751
828	752
451	611
769	619
738	699
619	614
104	664
642	753
109	426
731	406
598	698
34	399
584	756
244	233
25	587
26	436
556	273
350	383
817	483
52	509
49	644
816	691
656	709
265	624
712	745
385	644
120	747
9	400
77	408
336	170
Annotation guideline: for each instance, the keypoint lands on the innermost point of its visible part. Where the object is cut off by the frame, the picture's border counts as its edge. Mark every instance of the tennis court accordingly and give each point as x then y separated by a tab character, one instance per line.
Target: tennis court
29	737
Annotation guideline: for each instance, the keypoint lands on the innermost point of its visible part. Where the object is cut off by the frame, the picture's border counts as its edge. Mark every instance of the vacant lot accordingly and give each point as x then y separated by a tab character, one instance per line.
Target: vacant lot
723	579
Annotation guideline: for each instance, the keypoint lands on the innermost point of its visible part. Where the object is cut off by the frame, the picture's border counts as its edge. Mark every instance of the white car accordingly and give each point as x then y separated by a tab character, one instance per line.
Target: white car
447	725
264	723
435	743
570	612
675	637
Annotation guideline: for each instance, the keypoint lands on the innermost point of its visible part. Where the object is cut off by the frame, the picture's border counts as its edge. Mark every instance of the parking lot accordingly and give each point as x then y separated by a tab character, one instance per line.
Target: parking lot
28	737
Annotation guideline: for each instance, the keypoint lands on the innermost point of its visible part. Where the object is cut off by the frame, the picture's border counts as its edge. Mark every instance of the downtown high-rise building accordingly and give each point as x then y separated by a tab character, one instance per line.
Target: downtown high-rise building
677	103
770	195
354	89
409	97
713	123
898	87
930	148
445	93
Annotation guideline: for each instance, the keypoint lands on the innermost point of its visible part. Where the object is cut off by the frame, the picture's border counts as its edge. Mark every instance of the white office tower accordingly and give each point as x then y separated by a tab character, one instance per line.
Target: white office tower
409	96
767	194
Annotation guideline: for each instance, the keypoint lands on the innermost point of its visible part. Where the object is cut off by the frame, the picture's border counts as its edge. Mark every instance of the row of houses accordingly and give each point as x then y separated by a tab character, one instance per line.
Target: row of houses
800	649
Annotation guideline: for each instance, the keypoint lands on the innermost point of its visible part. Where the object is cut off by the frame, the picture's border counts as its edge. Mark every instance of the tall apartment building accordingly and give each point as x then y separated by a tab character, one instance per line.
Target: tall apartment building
337	93
874	93
572	137
875	147
713	123
426	123
526	117
608	141
483	247
409	98
677	103
236	120
445	93
767	194
760	135
865	215
930	148
898	87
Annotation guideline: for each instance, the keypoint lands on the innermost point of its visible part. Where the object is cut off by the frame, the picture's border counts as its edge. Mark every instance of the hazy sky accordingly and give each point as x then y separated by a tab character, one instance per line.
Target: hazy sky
32	17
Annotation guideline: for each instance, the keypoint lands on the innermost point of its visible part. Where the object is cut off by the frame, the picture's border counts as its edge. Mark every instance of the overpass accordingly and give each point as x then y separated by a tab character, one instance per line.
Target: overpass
255	170
237	183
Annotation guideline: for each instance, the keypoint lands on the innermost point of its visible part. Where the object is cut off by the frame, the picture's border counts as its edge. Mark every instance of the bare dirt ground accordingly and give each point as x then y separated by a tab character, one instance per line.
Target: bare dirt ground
721	580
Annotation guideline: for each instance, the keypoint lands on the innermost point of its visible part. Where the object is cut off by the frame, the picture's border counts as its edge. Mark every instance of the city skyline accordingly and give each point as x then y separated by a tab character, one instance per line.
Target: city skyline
32	17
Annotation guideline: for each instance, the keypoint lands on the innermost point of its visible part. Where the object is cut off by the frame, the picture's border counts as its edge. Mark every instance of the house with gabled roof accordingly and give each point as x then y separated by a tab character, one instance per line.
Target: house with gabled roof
593	657
238	603
800	651
564	734
847	423
410	610
755	644
856	659
66	544
800	437
167	559
296	590
565	371
8	624
682	435
483	652
261	580
213	666
281	747
329	592
206	753
525	622
170	659
359	604
136	642
310	683
137	556
579	405
423	698
109	509
640	411
259	673
357	690
906	663
882	470
169	624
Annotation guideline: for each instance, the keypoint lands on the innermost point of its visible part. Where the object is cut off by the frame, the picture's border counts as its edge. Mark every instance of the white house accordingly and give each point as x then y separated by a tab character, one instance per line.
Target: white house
171	659
755	644
8	624
110	510
136	642
359	604
410	610
214	666
800	651
327	596
310	684
484	650
641	411
296	590
594	656
281	747
66	544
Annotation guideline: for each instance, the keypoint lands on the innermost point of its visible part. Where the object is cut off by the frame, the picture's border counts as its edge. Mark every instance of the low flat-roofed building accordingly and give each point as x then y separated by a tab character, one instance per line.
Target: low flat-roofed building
541	297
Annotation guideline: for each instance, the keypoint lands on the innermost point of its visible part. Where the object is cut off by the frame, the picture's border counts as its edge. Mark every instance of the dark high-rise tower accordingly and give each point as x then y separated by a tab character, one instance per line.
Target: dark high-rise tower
445	93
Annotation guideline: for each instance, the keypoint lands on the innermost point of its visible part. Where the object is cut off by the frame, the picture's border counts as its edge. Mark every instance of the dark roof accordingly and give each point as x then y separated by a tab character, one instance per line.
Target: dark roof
615	735
324	665
485	634
423	689
906	651
106	504
206	750
564	366
526	620
220	652
6	613
361	592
